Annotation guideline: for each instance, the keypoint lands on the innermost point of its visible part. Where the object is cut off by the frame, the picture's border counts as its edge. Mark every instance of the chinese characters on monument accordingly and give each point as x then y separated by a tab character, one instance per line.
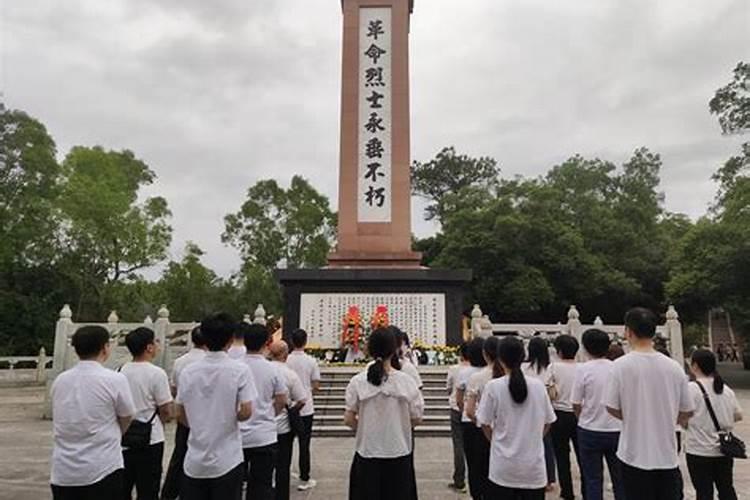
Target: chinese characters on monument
374	185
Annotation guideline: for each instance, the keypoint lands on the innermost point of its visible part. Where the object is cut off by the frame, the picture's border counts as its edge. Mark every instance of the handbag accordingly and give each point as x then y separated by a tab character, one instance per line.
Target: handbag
730	445
138	435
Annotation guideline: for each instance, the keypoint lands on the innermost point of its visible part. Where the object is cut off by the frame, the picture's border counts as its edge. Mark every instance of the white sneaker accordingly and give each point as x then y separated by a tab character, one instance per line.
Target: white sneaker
307	485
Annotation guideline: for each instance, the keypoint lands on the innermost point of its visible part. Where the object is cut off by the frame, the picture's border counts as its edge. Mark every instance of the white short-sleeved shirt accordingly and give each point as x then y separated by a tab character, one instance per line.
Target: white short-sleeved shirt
650	389
462	382
530	371
589	391
306	368
180	363
296	392
260	429
149	386
411	369
517	450
475	386
702	438
211	391
451	387
563	375
237	352
384	414
86	401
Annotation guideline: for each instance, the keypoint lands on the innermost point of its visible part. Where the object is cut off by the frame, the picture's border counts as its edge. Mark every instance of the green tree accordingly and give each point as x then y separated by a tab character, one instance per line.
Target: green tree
442	180
731	103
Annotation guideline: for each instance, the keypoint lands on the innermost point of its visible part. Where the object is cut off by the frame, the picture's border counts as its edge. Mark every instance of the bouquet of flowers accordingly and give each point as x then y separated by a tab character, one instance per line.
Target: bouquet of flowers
352	333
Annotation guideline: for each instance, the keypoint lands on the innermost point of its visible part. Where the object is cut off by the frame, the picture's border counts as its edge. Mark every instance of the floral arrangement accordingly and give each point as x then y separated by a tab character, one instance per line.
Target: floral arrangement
352	332
430	355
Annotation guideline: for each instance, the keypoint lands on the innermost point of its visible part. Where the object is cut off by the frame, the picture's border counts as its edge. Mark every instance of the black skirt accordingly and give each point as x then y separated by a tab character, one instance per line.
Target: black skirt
383	478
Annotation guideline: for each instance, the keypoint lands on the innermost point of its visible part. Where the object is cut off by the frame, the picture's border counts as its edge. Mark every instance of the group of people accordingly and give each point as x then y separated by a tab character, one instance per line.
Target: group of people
239	399
516	414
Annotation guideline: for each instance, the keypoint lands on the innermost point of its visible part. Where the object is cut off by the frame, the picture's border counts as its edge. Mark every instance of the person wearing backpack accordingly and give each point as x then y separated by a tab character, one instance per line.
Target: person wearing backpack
707	465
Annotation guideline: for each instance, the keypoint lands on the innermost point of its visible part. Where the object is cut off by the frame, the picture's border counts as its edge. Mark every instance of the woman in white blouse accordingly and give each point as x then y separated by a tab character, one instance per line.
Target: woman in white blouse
382	406
515	413
706	464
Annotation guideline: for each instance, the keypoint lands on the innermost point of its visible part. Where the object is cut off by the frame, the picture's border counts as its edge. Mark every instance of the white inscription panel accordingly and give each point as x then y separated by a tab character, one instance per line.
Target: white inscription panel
374	172
420	315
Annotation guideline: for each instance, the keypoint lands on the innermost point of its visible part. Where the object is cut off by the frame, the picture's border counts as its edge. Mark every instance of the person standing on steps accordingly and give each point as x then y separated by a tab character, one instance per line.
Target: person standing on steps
383	404
91	408
306	368
149	386
649	393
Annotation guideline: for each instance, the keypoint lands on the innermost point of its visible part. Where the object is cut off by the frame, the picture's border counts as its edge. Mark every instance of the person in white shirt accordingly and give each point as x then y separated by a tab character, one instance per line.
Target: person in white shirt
152	397
457	435
259	433
480	444
515	413
214	395
537	366
598	431
707	466
306	368
238	349
173	478
649	393
476	364
279	352
563	431
405	358
383	404
91	408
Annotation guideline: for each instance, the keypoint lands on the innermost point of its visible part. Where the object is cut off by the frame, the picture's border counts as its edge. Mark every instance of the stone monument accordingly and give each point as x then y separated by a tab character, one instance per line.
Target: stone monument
373	263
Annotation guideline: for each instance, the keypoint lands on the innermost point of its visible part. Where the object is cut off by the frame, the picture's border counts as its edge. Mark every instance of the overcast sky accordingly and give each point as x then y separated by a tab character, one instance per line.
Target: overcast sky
215	95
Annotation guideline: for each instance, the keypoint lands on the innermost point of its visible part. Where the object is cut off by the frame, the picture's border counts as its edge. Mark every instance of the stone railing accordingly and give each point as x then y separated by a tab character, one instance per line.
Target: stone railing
25	368
670	331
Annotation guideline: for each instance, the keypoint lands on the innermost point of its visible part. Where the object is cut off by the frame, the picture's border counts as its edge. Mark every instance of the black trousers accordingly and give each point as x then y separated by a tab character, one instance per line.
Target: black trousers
382	478
707	472
143	470
110	487
459	458
226	487
259	465
477	450
283	463
657	484
497	492
564	431
304	448
173	479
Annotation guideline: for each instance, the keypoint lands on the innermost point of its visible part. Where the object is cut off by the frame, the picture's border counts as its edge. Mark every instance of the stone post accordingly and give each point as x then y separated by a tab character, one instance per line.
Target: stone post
41	365
598	321
476	321
161	329
674	333
260	315
574	323
59	355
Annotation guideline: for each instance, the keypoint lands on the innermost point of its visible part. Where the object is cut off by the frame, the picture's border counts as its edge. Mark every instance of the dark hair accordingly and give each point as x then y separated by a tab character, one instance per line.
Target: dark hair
511	353
538	353
490	348
138	340
299	338
596	342
218	330
196	336
476	346
88	341
463	350
642	322
238	334
566	346
402	339
255	335
380	345
615	351
706	361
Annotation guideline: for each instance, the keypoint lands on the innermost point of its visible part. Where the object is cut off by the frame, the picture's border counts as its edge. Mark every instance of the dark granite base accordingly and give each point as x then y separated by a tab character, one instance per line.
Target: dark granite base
452	283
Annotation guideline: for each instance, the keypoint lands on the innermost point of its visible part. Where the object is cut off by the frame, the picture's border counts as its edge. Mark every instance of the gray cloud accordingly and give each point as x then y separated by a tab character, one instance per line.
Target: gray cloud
216	95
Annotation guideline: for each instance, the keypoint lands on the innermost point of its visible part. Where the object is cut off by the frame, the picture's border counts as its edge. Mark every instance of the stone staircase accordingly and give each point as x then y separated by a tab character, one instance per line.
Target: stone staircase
329	402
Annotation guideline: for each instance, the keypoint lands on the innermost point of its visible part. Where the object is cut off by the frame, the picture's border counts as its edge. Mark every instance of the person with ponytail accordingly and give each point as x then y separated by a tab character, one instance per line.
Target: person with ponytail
706	464
515	413
383	404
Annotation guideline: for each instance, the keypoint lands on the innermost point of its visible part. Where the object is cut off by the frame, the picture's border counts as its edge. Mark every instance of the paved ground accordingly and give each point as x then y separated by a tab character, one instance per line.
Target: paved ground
25	445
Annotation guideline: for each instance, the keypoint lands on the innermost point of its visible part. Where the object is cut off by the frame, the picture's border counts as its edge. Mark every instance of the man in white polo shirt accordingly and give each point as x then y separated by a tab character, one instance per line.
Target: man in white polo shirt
214	395
306	368
149	385
649	393
91	407
259	434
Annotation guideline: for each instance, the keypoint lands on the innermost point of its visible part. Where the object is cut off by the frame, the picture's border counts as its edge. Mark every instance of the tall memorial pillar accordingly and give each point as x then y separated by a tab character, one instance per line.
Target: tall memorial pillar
373	263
